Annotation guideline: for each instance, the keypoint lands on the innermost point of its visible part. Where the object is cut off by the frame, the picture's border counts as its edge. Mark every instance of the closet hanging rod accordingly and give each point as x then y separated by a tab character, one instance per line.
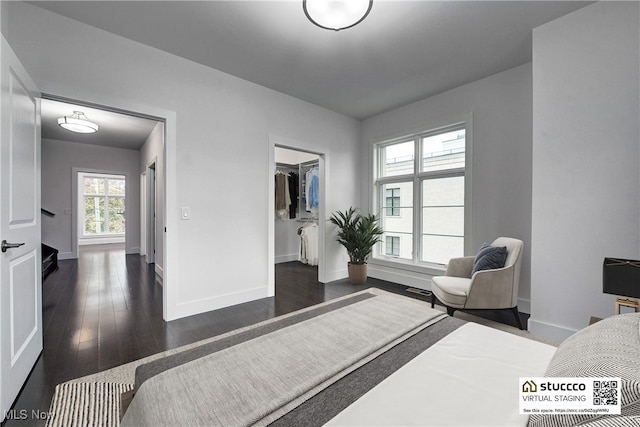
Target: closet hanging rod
286	165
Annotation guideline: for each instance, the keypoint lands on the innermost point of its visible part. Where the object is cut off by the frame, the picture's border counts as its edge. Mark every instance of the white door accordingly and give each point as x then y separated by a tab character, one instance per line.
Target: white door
20	261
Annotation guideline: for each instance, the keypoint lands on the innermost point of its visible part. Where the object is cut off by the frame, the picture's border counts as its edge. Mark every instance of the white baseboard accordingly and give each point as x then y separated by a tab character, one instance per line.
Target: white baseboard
189	308
403	277
286	258
524	305
159	271
133	250
332	276
555	333
66	255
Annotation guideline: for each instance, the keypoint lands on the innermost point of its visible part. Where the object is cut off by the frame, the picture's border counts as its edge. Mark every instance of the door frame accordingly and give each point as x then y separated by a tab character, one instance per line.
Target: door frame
148	211
143	213
171	217
323	158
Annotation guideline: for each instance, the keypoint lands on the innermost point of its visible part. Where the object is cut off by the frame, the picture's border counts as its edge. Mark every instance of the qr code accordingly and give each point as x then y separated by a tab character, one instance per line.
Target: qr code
605	392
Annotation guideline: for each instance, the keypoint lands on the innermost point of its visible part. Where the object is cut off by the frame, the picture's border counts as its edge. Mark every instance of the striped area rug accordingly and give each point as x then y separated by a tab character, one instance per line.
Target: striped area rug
94	400
95	404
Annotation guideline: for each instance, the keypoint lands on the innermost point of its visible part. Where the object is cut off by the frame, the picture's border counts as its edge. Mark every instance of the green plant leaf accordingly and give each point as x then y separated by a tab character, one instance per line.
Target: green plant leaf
357	233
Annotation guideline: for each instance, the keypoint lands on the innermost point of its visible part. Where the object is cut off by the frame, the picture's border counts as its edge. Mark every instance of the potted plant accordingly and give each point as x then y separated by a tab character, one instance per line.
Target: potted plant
358	234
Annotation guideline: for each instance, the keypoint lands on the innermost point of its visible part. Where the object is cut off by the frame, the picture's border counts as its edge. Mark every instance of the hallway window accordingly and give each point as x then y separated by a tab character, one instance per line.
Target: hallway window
103	198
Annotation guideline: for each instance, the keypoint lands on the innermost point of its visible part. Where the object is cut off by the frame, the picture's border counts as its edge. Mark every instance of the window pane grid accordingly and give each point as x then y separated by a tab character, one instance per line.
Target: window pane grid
104	205
93	186
94	215
115	187
436	225
392	202
393	245
443	151
397	159
442	219
440	249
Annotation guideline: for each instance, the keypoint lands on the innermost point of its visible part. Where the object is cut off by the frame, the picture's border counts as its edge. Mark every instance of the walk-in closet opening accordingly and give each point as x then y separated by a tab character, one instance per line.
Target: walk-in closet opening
297	213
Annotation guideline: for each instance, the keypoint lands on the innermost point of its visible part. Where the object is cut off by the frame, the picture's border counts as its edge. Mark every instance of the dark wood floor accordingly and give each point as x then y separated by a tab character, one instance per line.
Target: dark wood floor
105	309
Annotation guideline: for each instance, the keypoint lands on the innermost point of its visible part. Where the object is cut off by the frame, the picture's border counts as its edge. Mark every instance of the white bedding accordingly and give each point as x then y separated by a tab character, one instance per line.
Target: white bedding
469	378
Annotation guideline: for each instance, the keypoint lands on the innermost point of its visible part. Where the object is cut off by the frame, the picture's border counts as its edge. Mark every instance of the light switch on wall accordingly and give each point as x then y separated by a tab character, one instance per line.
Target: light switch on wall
186	213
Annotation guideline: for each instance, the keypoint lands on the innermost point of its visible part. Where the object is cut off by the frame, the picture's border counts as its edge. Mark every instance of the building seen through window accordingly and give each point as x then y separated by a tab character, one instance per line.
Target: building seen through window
421	204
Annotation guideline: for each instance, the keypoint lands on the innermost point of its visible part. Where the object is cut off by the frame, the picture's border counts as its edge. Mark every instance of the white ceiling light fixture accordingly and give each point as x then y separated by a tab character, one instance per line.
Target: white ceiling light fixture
336	15
78	122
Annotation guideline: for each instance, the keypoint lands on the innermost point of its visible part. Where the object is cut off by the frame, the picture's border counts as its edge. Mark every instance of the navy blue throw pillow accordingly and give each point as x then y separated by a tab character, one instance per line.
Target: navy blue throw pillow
489	258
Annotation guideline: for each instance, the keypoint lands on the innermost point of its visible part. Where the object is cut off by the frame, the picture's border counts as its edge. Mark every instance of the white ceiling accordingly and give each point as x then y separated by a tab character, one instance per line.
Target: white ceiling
404	51
116	129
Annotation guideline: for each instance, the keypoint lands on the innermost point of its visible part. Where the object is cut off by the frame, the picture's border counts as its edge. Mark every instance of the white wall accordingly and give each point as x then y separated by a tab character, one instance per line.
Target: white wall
585	161
59	160
153	151
217	154
4	16
500	107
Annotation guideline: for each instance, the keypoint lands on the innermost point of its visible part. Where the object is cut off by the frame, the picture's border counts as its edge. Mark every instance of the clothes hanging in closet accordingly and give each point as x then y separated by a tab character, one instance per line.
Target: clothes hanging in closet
286	194
312	190
308	253
283	198
293	194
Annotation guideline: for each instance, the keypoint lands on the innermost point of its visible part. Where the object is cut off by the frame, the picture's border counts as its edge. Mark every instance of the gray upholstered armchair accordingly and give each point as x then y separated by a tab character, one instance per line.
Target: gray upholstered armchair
487	289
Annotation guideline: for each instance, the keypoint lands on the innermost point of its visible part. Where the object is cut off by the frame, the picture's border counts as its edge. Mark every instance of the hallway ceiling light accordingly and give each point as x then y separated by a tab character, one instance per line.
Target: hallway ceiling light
78	122
336	15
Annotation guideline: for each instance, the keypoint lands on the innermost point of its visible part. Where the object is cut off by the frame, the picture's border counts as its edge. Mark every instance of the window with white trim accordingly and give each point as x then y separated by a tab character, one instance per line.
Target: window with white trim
392	201
392	246
422	201
103	205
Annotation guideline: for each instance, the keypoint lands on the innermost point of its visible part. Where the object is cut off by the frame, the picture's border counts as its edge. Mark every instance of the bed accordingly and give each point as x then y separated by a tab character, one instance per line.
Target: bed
372	358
